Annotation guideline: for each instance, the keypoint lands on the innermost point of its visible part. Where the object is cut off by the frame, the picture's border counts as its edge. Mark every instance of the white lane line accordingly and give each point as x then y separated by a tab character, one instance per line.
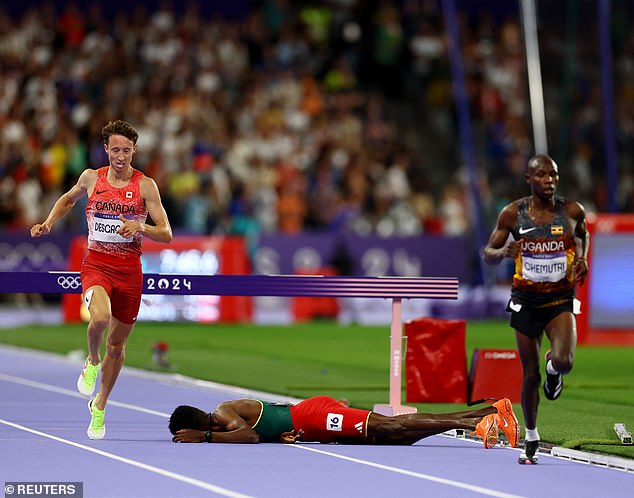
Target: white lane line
75	394
478	489
418	475
134	463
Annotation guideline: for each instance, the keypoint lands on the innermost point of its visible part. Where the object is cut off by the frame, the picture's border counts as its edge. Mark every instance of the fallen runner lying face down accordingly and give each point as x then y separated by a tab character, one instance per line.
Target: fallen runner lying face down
323	419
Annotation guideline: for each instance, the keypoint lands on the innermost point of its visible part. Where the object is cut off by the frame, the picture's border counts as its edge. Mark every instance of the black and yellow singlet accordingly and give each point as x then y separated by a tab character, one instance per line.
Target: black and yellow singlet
275	419
544	272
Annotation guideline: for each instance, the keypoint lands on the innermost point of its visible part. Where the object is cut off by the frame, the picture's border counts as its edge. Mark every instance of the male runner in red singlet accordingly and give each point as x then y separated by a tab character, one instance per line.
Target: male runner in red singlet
119	201
550	247
325	420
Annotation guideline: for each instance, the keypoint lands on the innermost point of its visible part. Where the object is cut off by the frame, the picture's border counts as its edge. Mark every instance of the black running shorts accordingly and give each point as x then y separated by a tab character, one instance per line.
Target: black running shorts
532	321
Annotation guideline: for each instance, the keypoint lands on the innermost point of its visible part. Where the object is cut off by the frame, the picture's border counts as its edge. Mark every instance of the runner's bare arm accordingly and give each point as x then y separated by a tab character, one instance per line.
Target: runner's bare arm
65	203
582	240
161	231
246	435
499	247
237	430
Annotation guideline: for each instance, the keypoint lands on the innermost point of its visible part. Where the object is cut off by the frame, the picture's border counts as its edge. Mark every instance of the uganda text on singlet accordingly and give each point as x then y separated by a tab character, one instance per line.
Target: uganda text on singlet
275	419
544	268
105	205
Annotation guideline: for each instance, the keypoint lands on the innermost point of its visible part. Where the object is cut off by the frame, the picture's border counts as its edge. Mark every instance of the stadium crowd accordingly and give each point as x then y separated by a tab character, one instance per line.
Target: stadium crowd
297	115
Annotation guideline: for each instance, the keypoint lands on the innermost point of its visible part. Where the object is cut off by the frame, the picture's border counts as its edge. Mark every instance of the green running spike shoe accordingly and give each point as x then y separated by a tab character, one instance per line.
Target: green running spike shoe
87	378
97	427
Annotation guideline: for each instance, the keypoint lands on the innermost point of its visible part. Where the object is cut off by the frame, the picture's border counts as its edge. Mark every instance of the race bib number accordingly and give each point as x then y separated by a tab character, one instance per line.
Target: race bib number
545	268
334	422
104	229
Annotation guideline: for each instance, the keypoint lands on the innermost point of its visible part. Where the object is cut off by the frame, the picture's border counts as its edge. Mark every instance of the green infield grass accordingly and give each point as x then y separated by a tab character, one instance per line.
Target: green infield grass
352	362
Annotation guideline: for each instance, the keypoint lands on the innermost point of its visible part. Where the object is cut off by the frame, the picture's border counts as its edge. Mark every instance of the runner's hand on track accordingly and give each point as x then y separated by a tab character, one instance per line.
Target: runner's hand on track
189	436
291	437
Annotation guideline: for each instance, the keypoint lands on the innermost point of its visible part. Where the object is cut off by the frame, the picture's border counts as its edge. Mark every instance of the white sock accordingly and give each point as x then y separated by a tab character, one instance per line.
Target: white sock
532	434
549	368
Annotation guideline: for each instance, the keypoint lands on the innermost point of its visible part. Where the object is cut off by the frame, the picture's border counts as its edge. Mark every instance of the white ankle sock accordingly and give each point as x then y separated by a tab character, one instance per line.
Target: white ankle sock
532	434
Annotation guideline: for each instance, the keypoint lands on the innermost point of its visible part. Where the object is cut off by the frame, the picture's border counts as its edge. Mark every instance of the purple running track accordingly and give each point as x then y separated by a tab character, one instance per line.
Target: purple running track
43	424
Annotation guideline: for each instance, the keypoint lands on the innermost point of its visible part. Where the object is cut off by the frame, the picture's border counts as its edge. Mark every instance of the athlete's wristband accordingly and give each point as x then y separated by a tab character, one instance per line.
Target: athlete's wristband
208	436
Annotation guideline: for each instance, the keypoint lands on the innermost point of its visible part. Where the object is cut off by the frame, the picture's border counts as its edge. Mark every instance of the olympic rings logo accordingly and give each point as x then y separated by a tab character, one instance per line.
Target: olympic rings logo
69	282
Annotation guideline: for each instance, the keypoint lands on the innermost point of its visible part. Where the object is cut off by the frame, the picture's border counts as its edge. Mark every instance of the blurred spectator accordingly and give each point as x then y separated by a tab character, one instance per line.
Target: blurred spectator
334	114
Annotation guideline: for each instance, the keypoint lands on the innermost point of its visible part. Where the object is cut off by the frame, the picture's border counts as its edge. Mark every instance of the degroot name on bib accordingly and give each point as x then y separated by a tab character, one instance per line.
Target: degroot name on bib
105	228
546	268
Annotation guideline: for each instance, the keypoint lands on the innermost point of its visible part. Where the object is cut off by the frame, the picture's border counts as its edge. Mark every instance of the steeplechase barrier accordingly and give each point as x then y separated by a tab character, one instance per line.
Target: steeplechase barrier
394	288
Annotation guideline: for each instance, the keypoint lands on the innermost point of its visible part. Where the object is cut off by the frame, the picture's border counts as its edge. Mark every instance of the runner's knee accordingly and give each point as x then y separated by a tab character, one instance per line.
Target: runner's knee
115	349
562	363
99	320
